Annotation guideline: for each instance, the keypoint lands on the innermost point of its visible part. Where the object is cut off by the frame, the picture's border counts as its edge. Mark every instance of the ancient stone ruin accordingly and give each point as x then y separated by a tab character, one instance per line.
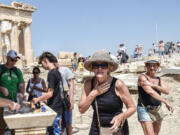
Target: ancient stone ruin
64	58
15	32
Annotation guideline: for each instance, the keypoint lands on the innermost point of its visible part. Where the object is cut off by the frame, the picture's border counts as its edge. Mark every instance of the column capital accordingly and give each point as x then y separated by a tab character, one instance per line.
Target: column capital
6	26
28	24
16	23
21	25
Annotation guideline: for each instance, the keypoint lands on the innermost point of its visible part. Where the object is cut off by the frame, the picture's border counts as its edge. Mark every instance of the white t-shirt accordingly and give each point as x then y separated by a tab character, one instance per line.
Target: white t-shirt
66	74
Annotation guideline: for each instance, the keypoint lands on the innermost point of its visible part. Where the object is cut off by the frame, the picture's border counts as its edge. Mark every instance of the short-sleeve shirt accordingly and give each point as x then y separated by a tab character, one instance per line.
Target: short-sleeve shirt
74	59
55	102
161	47
66	75
81	65
10	80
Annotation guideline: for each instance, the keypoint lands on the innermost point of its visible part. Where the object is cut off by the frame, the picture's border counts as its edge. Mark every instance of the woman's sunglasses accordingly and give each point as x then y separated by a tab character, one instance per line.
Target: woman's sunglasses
103	65
152	65
35	72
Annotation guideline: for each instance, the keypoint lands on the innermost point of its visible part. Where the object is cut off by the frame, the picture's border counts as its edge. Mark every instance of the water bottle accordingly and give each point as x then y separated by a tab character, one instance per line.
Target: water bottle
19	101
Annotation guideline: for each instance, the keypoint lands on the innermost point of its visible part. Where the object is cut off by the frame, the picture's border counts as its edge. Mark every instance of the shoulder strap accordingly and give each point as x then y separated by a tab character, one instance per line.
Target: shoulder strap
61	86
113	81
3	69
92	83
145	76
159	80
16	71
97	113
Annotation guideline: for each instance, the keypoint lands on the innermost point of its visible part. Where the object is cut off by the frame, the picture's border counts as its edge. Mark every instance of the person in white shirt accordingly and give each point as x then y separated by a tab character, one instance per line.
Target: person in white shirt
68	84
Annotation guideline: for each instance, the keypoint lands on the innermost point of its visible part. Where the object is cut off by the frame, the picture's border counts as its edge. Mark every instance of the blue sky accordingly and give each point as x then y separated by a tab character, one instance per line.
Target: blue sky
85	26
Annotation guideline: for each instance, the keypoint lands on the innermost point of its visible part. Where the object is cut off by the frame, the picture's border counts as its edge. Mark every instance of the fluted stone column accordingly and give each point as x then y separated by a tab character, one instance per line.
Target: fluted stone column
7	41
14	40
21	41
1	55
28	45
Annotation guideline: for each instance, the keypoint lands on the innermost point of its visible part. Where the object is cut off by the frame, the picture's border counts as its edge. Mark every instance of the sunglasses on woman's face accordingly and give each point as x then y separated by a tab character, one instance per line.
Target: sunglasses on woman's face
35	72
103	65
155	65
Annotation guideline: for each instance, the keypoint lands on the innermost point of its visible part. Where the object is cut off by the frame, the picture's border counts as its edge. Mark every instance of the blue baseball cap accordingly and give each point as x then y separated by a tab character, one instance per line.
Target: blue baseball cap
12	54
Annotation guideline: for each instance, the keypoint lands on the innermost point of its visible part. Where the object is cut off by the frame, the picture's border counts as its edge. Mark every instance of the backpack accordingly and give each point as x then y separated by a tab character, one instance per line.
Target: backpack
4	69
127	57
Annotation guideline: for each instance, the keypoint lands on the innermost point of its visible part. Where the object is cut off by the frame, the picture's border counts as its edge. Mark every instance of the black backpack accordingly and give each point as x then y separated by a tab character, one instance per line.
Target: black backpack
4	69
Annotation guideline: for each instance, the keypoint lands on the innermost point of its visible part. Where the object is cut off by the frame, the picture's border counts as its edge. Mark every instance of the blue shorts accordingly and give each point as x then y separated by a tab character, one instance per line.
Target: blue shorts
74	65
68	118
161	53
143	114
57	127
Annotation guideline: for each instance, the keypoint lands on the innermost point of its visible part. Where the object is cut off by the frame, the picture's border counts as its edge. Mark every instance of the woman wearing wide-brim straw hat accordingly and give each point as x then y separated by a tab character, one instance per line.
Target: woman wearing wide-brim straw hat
106	94
150	88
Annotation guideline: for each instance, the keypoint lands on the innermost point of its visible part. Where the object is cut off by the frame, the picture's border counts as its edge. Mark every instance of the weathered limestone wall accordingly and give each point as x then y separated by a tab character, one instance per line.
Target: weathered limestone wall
64	58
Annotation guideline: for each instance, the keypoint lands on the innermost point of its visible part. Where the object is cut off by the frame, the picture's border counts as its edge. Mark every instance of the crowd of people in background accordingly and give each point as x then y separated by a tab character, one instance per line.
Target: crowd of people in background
161	49
167	48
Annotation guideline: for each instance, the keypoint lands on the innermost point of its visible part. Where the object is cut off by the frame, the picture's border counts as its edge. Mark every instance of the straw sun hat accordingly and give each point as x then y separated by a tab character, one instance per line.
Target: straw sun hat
101	56
153	59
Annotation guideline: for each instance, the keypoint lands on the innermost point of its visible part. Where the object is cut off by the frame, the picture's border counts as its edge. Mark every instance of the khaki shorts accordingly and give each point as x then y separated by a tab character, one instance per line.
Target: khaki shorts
2	122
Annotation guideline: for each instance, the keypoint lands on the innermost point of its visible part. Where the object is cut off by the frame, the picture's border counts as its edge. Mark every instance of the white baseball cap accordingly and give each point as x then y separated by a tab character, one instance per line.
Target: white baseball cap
12	54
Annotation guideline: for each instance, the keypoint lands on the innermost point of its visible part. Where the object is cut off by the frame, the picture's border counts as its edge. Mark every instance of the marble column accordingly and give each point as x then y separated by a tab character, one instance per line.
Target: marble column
28	45
7	41
21	41
1	55
14	37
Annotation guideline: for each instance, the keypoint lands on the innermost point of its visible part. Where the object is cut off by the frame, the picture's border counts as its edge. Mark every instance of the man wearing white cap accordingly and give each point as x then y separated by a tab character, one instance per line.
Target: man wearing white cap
11	83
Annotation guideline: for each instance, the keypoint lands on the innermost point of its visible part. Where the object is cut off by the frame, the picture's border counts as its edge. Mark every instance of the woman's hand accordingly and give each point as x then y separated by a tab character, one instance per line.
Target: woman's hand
116	121
34	100
169	107
35	87
102	88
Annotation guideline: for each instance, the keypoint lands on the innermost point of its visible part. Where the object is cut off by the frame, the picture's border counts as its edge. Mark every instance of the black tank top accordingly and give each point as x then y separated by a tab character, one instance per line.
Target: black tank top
145	98
109	105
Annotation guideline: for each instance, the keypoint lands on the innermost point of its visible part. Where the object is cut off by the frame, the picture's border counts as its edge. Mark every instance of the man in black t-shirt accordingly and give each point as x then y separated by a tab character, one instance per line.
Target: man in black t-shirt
53	96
